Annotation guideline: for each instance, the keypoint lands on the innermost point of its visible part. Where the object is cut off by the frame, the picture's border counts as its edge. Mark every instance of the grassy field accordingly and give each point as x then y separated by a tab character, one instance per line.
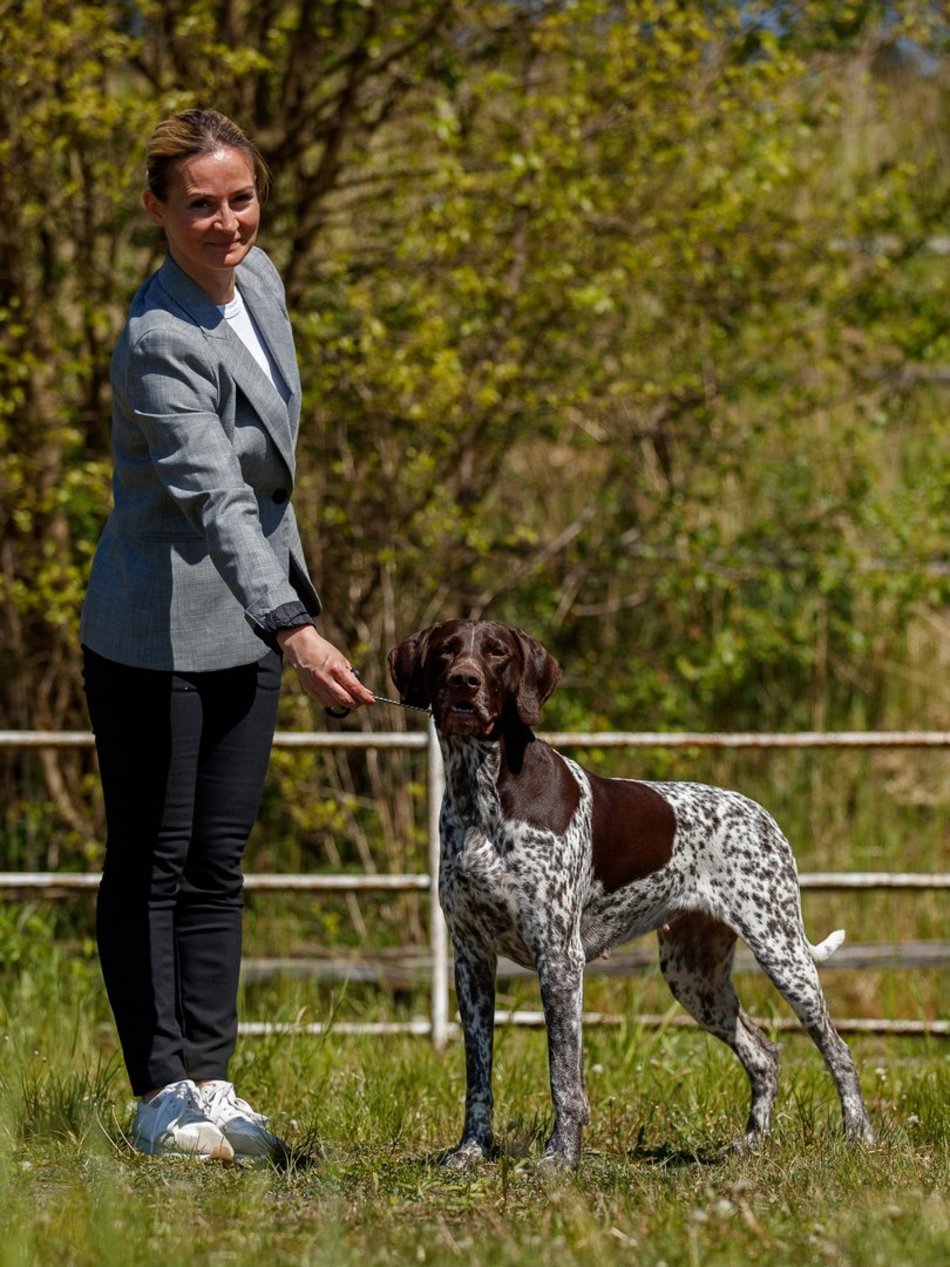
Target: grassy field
655	1185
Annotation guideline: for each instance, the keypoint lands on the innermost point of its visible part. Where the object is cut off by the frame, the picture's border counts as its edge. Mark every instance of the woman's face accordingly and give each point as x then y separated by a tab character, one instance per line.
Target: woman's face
210	216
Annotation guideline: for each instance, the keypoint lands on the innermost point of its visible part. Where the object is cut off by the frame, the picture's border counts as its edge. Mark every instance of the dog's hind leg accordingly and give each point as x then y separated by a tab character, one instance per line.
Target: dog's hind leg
696	953
789	962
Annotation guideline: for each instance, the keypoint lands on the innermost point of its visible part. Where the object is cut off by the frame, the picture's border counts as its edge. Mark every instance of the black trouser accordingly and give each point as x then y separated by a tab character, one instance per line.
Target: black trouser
182	757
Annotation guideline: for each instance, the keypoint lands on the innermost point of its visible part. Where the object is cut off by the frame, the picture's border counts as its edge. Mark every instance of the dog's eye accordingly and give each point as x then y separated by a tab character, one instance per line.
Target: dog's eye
498	653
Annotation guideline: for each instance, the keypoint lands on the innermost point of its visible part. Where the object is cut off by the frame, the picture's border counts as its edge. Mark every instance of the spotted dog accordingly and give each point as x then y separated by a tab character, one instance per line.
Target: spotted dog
550	865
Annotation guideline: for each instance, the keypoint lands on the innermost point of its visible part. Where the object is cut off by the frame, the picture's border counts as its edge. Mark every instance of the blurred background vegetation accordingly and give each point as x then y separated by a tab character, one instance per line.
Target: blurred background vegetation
624	322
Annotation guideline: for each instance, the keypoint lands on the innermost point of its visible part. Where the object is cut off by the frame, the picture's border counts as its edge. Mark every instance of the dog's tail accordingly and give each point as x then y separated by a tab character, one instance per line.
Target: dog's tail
825	949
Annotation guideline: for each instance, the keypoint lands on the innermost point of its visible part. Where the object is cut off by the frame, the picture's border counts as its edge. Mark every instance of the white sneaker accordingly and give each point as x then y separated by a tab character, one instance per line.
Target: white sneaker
175	1123
246	1131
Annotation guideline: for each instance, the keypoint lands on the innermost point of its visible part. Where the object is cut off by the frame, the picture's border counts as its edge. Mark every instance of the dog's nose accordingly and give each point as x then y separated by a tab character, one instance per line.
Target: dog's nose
466	675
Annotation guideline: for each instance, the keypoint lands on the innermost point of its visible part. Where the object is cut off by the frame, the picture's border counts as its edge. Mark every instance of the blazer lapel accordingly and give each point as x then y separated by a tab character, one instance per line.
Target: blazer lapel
280	420
274	326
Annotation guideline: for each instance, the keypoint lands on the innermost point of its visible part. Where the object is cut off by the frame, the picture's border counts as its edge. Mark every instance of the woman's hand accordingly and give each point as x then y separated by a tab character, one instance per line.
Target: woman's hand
324	672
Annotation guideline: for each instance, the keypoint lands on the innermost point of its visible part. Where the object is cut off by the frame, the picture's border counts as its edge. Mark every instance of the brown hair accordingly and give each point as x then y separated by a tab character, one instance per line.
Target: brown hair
198	131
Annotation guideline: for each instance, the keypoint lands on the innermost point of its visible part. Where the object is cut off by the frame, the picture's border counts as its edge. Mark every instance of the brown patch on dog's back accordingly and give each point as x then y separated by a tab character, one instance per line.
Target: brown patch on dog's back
632	831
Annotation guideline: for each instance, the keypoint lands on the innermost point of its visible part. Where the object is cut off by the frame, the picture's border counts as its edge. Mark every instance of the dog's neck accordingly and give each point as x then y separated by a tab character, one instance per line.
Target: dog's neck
484	762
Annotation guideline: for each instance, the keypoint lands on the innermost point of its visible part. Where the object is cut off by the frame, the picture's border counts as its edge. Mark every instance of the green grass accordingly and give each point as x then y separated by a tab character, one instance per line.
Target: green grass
655	1185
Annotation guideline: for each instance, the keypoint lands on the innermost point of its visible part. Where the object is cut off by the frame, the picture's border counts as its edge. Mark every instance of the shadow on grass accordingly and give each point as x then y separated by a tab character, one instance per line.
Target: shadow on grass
669	1158
664	1156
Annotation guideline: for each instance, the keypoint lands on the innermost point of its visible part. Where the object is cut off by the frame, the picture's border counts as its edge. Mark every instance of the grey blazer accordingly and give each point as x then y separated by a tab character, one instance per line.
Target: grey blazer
200	558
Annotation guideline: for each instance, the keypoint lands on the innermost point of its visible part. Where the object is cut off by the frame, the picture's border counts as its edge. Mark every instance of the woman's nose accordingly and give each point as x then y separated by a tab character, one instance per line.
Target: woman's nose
226	217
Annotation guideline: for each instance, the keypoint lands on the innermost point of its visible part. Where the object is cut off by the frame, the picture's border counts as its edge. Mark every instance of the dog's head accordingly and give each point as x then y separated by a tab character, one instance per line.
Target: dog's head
475	675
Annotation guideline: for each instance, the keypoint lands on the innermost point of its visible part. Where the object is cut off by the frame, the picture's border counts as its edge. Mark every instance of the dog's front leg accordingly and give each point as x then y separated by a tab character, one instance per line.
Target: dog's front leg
475	990
562	996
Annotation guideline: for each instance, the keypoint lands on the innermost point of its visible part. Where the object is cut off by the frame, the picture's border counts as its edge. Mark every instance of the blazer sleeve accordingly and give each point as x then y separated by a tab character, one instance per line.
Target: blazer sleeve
174	394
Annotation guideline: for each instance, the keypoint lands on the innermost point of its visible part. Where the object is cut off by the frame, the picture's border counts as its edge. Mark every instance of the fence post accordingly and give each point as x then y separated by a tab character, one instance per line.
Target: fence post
438	934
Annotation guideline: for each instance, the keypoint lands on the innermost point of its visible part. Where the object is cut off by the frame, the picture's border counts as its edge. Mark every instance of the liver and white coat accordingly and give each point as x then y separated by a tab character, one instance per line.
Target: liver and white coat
550	865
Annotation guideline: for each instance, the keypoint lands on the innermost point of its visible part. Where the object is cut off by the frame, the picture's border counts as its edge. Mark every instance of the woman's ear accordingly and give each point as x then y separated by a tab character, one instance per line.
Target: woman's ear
154	208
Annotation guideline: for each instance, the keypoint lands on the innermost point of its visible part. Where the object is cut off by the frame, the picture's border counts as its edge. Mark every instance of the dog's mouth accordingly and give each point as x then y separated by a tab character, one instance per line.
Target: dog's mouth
463	717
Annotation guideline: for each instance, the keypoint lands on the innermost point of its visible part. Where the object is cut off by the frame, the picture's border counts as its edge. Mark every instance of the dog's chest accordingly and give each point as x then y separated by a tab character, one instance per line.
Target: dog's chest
494	860
505	882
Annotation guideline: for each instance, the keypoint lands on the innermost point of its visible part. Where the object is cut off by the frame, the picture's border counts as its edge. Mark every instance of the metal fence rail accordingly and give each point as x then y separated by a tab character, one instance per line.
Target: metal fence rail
826	881
438	1026
565	738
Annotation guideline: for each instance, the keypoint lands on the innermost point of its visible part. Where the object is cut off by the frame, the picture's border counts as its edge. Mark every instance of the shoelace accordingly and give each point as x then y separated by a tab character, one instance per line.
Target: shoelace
183	1094
178	1105
224	1096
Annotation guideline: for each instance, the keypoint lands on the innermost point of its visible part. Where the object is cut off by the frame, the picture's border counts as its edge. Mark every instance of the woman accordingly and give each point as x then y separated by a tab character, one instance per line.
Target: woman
198	589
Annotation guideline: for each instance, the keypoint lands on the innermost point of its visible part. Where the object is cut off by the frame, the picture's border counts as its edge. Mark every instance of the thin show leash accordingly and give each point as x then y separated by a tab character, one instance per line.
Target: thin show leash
380	699
339	713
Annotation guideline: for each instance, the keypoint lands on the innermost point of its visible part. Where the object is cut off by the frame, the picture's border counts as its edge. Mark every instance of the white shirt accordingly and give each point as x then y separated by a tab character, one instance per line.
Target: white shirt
245	327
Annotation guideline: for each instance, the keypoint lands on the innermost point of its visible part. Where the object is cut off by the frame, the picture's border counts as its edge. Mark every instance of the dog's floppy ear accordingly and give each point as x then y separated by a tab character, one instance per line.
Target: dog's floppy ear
540	675
406	665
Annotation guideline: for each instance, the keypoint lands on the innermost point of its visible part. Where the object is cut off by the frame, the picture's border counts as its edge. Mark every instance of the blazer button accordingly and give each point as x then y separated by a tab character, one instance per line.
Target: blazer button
279	496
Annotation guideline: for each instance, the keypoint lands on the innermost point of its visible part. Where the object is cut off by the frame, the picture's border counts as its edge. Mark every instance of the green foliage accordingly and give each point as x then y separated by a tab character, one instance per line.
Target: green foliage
618	268
624	325
24	932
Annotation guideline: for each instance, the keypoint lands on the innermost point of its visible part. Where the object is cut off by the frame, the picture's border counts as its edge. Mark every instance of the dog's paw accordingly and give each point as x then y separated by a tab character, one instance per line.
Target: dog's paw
562	1152
466	1155
556	1163
860	1131
753	1141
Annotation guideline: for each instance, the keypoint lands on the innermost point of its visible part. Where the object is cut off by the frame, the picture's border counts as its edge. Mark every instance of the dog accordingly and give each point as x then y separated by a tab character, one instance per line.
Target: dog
551	865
